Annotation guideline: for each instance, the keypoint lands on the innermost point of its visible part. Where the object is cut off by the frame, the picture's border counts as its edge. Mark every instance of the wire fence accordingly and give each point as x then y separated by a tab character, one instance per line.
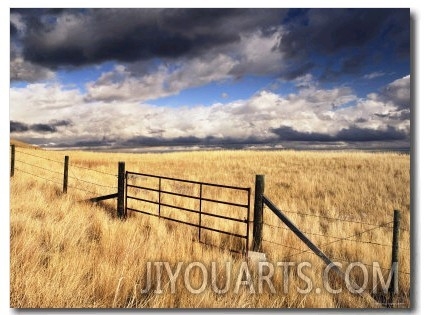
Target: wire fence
308	251
54	181
304	214
51	174
94	170
331	218
336	239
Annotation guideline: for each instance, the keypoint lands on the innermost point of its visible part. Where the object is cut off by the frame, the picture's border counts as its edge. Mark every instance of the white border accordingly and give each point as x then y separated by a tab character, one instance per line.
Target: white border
416	11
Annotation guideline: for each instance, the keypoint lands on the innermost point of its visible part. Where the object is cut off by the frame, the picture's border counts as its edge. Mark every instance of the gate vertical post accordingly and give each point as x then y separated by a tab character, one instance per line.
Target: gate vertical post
12	160
65	174
258	212
394	284
200	211
121	189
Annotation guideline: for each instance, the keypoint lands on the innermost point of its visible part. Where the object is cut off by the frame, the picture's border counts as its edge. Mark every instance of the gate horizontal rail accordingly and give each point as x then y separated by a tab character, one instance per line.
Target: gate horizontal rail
191	224
189	196
190	210
189	181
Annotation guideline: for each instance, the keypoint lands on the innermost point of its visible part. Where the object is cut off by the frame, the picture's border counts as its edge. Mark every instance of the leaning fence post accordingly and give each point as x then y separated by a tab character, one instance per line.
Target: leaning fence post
65	175
394	284
12	160
121	189
258	213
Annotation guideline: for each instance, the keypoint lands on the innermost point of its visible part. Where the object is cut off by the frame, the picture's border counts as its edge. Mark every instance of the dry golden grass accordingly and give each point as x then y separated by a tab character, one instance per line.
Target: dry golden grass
66	253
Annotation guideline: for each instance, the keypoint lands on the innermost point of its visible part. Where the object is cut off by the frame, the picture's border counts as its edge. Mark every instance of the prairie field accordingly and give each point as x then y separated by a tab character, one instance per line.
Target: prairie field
68	253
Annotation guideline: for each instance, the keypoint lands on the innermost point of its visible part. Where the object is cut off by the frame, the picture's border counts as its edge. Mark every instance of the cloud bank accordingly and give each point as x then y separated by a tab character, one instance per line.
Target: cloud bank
312	114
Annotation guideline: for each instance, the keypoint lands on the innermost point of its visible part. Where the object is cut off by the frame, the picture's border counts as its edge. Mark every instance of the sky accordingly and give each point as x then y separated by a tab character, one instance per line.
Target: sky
129	79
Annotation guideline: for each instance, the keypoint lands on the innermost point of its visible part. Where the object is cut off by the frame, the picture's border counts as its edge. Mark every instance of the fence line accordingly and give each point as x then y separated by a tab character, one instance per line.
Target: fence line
308	251
261	200
354	235
333	237
331	218
56	172
61	162
37	166
365	264
53	181
88	182
41	157
94	170
287	246
64	172
48	179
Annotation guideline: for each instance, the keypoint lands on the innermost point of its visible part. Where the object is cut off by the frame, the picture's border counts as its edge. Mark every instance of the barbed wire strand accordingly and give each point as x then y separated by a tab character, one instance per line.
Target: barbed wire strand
47	179
76	178
61	173
53	181
43	168
61	162
38	156
81	180
401	228
339	219
93	170
354	235
332	258
335	237
345	260
331	218
286	246
88	182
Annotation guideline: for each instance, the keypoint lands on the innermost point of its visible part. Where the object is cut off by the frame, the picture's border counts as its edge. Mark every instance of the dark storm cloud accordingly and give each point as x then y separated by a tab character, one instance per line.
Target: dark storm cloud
298	70
365	134
13	30
353	137
334	31
143	141
92	143
350	134
61	123
354	63
16	126
350	65
286	133
229	142
19	127
330	30
43	128
80	37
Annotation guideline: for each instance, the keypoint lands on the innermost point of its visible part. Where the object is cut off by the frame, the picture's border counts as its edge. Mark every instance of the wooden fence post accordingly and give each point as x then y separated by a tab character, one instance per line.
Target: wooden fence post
12	160
65	175
121	189
200	212
394	288
258	213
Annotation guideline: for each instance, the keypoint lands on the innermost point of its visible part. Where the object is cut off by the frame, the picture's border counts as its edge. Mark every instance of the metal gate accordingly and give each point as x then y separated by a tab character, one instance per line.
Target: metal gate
208	207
